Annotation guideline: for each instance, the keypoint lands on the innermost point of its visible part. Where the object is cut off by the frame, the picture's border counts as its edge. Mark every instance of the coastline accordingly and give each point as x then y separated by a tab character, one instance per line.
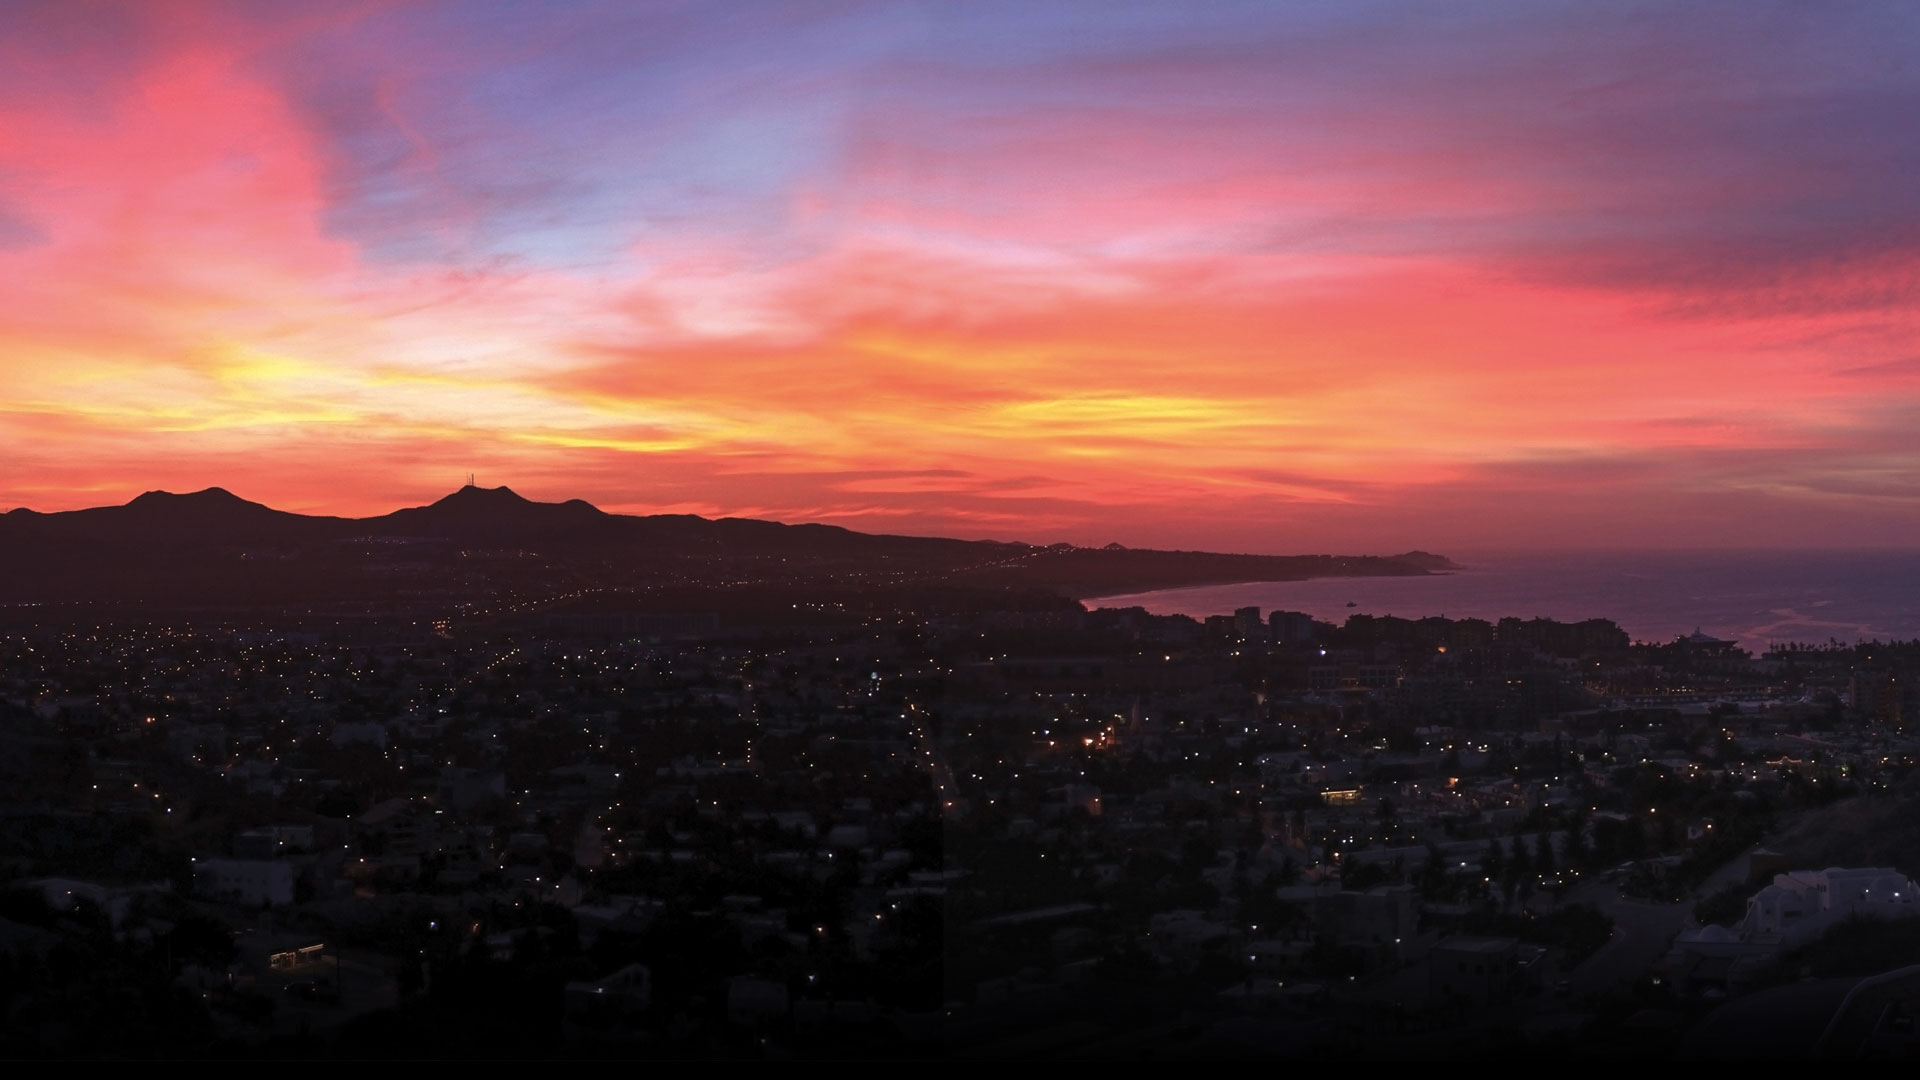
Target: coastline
1757	598
1251	583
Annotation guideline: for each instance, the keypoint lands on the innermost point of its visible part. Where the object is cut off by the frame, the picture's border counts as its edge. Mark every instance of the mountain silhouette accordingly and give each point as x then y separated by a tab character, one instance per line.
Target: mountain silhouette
477	513
214	547
213	515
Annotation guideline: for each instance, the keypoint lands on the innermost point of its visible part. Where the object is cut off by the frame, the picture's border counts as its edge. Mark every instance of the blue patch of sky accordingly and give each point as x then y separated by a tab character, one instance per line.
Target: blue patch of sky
576	134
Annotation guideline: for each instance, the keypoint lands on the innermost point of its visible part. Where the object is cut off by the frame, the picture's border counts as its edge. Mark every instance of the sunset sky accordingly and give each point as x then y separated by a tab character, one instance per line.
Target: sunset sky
1267	277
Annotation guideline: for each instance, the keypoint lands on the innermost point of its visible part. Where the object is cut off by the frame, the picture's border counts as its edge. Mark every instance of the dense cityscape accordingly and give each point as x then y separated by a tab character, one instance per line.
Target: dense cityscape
1020	833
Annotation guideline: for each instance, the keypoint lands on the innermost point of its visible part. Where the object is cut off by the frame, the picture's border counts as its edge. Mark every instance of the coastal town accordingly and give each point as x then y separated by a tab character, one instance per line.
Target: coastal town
991	833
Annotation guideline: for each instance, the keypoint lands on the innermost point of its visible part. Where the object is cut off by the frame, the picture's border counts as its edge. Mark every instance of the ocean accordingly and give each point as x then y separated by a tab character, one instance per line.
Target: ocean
1757	598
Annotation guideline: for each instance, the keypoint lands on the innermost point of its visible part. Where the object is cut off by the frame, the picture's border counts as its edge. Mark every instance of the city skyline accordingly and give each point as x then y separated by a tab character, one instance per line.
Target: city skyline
1314	277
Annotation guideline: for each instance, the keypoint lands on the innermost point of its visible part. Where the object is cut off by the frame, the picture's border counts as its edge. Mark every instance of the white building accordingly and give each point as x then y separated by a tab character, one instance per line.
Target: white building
271	841
622	995
1800	906
251	882
114	901
367	732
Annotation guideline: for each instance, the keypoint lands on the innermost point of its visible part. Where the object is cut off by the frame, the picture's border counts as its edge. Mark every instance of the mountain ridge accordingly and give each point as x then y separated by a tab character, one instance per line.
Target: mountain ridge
217	543
471	500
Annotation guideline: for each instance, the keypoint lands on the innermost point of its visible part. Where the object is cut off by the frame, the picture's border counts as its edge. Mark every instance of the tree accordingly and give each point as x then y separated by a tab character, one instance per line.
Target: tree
1364	876
1253	836
1575	845
1609	839
1522	864
1432	877
1196	855
1634	839
201	940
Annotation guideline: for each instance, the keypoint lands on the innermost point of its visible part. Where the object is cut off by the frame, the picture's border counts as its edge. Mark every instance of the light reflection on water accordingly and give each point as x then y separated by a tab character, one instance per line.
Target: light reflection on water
1754	597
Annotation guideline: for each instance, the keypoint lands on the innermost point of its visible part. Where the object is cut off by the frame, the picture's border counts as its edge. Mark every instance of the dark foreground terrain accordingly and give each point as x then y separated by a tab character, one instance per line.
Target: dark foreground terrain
830	828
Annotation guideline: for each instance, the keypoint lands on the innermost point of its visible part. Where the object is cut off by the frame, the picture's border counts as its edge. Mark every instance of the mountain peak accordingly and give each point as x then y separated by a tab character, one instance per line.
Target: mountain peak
500	511
213	496
1428	561
474	495
204	500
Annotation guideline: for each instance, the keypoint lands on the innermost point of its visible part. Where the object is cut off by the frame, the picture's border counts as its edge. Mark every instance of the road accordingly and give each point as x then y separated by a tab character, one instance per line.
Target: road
1642	930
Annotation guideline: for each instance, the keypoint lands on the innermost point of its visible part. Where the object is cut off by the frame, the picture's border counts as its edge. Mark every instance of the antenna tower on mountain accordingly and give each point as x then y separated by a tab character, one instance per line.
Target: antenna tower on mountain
470	481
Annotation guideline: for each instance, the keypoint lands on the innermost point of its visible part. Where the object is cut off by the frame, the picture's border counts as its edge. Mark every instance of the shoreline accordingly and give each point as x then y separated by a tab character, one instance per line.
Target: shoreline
1757	598
1249	582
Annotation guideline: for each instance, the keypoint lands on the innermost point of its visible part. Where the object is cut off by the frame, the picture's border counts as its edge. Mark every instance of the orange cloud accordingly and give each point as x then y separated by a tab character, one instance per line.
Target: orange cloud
1073	320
